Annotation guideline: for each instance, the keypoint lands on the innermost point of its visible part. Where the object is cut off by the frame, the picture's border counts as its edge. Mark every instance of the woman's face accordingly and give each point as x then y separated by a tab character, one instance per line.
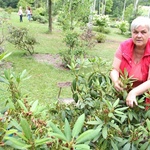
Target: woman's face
140	36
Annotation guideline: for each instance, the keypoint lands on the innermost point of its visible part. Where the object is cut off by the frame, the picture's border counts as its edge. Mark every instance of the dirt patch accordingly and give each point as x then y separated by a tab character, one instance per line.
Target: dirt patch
52	59
5	65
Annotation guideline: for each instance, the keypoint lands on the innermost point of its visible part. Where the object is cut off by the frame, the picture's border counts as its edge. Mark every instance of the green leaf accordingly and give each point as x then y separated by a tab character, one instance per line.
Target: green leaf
34	106
145	146
94	122
78	125
121	109
11	131
4	55
148	124
114	145
116	103
67	130
130	115
15	124
104	132
119	112
41	141
82	147
26	128
16	143
127	146
57	130
23	74
147	114
74	84
110	115
87	136
59	136
114	126
75	97
21	104
21	135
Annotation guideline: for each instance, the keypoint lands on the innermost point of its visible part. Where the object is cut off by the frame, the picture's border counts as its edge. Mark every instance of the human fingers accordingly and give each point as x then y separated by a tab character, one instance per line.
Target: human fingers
131	103
118	86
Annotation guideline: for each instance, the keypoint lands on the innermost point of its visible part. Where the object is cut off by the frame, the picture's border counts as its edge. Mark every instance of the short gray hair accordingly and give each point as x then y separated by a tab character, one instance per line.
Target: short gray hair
140	21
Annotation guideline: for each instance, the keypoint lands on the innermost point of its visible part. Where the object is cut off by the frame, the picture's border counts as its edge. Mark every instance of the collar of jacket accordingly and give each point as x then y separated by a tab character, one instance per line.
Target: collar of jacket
128	46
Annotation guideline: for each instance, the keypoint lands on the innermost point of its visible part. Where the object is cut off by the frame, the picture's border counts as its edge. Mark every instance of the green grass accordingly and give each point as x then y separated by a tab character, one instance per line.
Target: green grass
44	77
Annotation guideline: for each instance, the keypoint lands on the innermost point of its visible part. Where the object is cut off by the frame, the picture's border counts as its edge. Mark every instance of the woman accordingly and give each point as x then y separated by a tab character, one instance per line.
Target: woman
29	13
134	55
20	13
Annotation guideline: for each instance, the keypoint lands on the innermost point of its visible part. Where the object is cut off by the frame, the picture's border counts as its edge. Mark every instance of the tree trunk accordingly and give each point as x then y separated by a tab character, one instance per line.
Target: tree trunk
103	7
124	7
50	15
94	5
135	11
99	7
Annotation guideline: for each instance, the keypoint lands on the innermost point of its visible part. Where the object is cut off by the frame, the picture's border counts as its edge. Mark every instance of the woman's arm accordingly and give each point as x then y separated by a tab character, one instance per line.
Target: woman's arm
114	74
139	90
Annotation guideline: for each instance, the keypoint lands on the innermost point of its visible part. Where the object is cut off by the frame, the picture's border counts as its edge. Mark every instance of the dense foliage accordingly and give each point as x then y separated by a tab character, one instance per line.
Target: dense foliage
98	120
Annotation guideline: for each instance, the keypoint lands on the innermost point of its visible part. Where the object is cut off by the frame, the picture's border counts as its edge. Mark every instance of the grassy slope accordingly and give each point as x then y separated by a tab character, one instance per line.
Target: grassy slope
43	82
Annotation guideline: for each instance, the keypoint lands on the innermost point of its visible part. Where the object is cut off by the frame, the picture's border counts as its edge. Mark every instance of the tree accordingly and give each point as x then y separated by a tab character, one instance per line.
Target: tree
50	15
10	3
135	10
109	5
74	13
124	7
2	4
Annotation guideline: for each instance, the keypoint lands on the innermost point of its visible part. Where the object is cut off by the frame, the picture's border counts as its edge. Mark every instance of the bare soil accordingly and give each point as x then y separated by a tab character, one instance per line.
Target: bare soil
51	59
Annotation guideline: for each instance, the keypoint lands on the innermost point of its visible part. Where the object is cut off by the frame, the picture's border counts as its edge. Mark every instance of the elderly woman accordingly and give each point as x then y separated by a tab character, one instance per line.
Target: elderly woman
134	56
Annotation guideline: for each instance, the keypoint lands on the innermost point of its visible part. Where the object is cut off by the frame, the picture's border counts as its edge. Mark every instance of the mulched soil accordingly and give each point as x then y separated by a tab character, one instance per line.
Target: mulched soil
51	59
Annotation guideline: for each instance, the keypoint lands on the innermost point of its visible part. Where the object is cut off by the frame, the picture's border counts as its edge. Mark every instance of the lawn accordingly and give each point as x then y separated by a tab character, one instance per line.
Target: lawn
44	77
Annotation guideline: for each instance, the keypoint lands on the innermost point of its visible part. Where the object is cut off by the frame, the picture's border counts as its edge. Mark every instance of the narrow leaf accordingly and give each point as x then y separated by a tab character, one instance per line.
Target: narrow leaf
82	147
148	124
34	106
104	132
67	130
114	145
26	128
59	136
16	143
116	103
41	141
57	130
21	104
87	136
78	125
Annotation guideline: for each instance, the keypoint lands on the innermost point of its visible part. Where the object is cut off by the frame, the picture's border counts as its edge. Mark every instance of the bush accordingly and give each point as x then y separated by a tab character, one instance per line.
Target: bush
100	38
101	29
99	120
101	20
39	18
21	39
123	26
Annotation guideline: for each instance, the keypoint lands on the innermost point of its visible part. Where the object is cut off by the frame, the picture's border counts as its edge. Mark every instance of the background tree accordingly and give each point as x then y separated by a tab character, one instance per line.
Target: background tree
108	8
2	4
50	15
124	7
74	13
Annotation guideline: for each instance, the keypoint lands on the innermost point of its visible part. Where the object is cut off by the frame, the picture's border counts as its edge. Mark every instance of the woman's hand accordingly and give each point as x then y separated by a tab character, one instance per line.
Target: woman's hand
131	99
118	85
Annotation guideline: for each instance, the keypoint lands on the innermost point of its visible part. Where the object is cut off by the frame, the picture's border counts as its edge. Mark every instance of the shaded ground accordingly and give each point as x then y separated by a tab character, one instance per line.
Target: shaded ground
54	60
